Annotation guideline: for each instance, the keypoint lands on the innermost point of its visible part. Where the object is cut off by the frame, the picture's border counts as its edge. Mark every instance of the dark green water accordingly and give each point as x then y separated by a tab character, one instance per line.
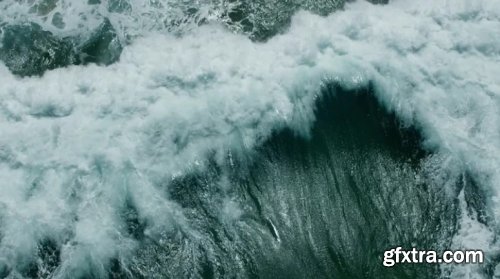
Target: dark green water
29	50
324	207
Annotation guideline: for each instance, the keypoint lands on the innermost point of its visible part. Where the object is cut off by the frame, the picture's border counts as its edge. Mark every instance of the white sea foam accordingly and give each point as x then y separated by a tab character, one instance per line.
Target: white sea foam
79	143
130	18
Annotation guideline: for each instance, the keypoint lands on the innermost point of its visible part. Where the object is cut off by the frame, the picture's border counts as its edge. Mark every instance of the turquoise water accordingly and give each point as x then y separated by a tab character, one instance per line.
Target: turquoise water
247	139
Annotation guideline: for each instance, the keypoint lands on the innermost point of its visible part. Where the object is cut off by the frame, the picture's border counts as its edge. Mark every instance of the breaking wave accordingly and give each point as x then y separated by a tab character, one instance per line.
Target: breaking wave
130	149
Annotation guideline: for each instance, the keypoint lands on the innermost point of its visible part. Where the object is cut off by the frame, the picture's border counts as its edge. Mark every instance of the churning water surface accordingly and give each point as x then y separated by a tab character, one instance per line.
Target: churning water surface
247	139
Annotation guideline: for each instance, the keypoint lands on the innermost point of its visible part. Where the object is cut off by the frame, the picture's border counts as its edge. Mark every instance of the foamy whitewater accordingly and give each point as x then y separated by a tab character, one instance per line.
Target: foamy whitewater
79	143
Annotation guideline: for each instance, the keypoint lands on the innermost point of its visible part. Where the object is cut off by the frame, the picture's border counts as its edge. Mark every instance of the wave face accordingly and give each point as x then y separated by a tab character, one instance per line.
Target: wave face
247	139
326	207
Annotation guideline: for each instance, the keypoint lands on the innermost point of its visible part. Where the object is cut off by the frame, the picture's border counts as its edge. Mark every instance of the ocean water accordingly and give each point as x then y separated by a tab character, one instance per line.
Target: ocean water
247	139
